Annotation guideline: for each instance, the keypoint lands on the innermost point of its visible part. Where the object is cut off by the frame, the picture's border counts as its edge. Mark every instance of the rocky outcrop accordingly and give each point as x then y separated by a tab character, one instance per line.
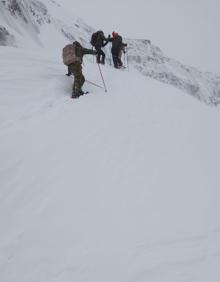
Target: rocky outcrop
151	62
6	39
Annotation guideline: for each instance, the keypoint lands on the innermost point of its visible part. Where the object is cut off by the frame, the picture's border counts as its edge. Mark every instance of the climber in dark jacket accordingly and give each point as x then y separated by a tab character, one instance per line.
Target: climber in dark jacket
100	42
117	47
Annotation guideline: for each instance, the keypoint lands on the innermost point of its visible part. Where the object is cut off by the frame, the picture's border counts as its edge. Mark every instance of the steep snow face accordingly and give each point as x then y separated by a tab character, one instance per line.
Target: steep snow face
117	186
27	10
37	20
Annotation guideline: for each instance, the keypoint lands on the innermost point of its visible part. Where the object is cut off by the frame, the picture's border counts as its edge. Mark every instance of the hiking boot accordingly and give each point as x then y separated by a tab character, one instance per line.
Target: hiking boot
120	65
75	94
81	92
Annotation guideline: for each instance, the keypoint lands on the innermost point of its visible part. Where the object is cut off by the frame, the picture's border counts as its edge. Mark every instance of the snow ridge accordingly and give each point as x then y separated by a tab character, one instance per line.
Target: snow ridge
151	62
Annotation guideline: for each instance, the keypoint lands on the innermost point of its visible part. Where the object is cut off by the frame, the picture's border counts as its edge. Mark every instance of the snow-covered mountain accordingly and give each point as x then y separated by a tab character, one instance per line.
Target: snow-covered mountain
28	20
38	19
151	62
120	186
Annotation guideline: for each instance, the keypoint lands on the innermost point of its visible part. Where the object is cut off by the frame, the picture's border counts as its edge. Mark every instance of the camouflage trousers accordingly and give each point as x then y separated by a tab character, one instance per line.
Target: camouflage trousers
79	79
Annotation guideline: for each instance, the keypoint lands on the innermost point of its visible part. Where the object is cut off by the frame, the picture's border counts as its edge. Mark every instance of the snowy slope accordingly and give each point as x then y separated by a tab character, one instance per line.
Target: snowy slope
36	19
122	186
117	186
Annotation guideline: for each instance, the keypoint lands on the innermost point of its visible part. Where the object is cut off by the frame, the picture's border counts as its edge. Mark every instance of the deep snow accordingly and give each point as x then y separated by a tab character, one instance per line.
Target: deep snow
117	186
122	186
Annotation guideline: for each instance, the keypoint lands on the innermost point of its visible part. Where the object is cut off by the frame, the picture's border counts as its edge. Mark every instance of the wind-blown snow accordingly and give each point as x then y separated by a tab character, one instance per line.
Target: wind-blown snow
117	186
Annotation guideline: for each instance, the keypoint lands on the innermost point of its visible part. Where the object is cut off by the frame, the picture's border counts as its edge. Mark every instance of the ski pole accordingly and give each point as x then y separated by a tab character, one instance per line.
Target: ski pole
93	59
125	61
110	57
102	78
127	58
94	84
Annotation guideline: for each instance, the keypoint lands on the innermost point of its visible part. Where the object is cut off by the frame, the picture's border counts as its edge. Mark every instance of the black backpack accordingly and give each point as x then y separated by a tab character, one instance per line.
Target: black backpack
95	37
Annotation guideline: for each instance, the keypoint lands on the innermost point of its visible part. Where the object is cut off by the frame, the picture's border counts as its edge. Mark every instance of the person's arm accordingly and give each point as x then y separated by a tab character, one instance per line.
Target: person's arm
122	43
104	44
104	40
69	72
110	39
89	51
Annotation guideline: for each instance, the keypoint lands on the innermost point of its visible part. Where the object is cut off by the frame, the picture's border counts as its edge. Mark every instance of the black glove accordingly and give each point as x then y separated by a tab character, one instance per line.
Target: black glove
68	74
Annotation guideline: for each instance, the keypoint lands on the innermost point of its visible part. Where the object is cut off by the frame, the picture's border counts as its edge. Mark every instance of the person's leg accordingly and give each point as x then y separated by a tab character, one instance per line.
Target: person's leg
114	58
79	79
99	53
103	57
82	80
119	58
117	54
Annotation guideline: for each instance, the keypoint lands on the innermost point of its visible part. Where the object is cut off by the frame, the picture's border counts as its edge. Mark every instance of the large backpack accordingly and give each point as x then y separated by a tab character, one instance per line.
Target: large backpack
70	54
95	37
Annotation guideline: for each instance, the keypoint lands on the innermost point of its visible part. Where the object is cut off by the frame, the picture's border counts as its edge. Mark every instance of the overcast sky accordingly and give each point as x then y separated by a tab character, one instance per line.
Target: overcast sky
188	30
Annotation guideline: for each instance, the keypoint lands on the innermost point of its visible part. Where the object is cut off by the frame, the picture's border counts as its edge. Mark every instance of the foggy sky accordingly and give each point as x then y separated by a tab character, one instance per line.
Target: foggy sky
188	30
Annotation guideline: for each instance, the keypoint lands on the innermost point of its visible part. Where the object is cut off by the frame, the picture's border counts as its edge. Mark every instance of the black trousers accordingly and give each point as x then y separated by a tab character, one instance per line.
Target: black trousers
116	57
100	55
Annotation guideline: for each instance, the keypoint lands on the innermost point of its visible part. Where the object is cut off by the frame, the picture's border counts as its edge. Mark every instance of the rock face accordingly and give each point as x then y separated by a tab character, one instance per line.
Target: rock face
149	60
28	11
6	39
28	17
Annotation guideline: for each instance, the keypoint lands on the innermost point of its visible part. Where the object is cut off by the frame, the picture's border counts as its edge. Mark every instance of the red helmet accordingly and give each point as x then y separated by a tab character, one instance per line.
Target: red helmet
114	34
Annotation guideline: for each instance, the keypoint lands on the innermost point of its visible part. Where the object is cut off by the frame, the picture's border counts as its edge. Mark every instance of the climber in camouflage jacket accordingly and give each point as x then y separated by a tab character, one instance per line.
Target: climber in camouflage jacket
74	63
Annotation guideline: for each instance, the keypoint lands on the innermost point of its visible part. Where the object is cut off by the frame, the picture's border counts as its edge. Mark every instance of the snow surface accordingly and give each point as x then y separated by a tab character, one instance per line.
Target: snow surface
122	186
118	187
